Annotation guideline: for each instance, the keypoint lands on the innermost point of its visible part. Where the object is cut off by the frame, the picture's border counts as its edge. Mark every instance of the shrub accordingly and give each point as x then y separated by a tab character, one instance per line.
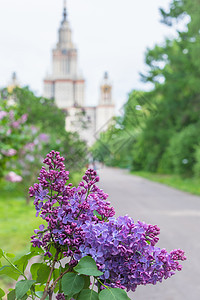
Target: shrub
179	156
196	167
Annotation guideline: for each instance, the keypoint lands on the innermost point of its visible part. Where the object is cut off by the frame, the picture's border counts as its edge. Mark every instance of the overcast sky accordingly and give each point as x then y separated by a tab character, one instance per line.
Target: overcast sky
111	35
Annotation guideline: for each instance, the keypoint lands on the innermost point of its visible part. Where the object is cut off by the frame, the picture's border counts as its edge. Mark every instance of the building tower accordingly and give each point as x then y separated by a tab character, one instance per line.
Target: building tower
106	107
65	84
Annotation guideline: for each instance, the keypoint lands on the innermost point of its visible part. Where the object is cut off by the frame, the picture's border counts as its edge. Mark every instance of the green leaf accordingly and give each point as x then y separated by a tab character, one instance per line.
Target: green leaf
11	295
9	271
39	288
40	293
10	255
22	262
72	284
22	287
36	250
87	281
34	268
113	294
87	266
52	250
24	297
88	295
43	273
75	297
1	253
1	293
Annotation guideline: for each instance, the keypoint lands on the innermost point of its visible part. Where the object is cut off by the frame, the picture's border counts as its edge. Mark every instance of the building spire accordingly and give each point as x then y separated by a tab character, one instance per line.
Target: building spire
64	10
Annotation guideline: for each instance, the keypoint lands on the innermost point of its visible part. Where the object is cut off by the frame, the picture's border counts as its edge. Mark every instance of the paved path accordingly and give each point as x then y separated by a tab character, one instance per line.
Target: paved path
178	216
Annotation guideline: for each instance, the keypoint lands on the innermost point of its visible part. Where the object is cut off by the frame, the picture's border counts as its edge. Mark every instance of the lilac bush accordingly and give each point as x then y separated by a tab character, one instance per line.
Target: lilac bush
31	157
80	223
13	135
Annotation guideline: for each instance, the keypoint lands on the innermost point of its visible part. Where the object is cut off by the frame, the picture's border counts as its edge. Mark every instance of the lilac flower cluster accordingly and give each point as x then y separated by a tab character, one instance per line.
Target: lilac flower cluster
81	222
125	252
65	208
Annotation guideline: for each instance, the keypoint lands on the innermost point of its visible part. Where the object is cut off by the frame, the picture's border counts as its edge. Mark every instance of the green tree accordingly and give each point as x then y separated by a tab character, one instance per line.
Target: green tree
167	114
44	114
174	70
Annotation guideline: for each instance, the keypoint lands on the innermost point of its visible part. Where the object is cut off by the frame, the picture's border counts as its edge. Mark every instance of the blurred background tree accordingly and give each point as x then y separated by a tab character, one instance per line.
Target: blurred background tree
31	127
164	122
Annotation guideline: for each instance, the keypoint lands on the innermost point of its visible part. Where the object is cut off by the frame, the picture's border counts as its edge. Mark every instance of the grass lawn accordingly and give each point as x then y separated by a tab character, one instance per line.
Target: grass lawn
190	185
17	221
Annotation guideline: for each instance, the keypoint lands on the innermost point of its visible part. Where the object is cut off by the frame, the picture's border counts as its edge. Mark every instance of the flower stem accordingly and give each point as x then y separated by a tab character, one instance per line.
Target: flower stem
103	284
60	277
46	290
10	262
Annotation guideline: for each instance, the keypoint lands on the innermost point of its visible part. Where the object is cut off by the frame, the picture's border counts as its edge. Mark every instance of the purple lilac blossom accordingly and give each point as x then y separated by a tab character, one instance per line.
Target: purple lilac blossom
81	222
3	114
60	297
9	152
43	137
13	177
15	124
23	118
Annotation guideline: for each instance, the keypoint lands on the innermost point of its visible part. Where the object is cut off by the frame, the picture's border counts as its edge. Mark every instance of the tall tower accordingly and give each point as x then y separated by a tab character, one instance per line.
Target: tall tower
105	91
106	106
65	84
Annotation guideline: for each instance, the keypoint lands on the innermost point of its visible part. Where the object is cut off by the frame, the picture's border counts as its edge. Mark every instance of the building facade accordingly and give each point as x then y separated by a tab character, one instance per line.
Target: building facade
66	86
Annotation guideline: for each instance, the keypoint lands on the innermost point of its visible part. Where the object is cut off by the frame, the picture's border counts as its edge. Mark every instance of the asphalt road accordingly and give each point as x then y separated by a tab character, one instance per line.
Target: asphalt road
178	216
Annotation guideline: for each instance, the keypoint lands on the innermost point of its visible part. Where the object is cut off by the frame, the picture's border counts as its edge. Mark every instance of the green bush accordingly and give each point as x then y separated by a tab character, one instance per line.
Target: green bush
196	167
180	156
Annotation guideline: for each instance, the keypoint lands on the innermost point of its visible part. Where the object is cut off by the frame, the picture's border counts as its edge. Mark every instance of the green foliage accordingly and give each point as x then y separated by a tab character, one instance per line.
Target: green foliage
113	294
13	135
9	271
112	148
87	266
88	295
164	122
72	284
44	118
34	270
179	156
42	273
196	167
42	112
11	295
1	293
22	262
176	63
39	295
22	287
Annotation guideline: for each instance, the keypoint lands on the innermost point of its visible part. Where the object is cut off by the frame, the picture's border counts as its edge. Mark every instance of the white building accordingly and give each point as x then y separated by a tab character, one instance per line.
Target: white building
67	86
